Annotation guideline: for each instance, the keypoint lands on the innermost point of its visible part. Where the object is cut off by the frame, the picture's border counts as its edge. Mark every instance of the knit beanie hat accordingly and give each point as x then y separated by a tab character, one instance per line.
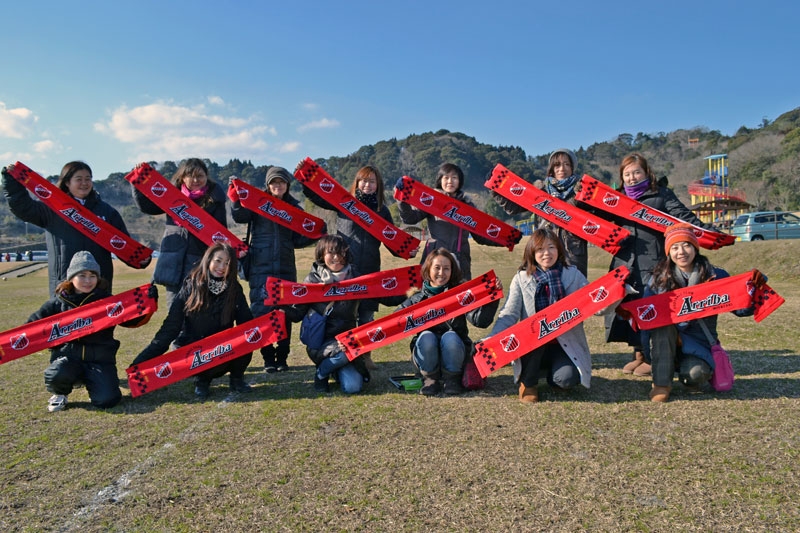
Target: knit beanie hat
573	159
681	232
278	173
81	261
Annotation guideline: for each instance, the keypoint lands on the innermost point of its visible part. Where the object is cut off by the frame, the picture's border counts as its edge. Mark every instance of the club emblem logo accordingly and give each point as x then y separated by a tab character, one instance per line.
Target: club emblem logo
389	283
42	192
599	294
158	190
309	225
611	200
376	335
509	343
698	232
20	342
590	228
647	312
466	297
517	189
243	193
253	335
426	199
751	287
117	242
299	291
164	370
493	230
115	309
326	185
389	233
219	237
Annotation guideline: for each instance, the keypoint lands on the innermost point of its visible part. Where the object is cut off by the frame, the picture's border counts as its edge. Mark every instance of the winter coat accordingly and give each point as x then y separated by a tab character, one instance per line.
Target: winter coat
365	250
693	340
99	347
63	241
180	250
520	304
480	317
185	328
445	234
271	251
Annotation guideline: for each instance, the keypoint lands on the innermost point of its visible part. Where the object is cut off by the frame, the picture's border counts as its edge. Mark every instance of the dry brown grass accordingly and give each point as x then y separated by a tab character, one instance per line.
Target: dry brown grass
286	459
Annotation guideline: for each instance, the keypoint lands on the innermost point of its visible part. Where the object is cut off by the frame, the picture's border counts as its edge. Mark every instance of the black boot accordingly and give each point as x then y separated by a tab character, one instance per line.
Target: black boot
452	383
202	389
431	385
239	385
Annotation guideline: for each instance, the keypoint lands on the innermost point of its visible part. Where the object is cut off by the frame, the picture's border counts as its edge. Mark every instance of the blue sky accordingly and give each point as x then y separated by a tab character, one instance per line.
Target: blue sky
115	83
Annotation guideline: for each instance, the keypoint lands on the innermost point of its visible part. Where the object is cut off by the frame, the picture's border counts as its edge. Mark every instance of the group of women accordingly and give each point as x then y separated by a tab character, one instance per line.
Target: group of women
204	296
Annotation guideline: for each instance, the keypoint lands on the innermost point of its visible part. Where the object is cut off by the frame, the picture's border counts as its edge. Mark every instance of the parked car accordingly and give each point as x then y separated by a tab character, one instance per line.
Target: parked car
763	225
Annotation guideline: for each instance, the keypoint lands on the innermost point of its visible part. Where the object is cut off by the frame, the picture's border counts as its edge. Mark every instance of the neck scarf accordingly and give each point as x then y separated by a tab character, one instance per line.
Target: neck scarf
216	285
561	189
369	200
636	191
686	281
431	289
194	195
549	288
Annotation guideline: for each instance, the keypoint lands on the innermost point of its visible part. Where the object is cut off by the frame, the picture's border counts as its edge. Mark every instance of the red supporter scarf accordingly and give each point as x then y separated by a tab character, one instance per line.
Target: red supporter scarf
315	178
186	213
376	285
132	253
460	214
563	214
603	197
703	300
70	325
421	316
526	335
207	353
276	210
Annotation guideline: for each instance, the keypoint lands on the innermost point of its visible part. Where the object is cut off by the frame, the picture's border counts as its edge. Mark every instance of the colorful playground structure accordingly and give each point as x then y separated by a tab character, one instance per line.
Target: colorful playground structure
712	198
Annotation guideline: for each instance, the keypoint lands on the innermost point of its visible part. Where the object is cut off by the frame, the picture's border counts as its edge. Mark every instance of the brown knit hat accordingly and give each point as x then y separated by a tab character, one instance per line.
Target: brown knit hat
681	232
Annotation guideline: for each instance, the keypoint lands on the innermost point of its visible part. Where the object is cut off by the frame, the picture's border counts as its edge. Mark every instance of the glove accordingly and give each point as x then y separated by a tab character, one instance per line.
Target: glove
152	292
232	193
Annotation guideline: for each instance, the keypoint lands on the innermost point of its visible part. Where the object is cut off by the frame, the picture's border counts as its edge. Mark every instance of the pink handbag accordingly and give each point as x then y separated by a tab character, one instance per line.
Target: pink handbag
722	378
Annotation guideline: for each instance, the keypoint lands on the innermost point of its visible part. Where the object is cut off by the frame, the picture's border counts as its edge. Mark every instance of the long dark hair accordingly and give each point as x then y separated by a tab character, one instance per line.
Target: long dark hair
664	280
536	241
199	297
455	270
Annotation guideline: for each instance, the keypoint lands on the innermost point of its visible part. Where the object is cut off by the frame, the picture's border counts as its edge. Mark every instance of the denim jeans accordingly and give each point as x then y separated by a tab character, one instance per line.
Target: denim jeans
561	371
346	373
432	353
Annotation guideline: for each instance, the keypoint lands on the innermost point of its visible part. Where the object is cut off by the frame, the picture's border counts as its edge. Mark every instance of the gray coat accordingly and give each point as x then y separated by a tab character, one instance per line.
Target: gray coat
520	304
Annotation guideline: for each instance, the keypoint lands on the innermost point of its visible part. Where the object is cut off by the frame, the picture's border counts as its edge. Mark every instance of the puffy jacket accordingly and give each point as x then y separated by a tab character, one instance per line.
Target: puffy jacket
180	250
63	241
100	347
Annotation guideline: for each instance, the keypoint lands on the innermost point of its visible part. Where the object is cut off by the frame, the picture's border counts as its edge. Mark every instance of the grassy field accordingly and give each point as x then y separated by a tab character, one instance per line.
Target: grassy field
284	458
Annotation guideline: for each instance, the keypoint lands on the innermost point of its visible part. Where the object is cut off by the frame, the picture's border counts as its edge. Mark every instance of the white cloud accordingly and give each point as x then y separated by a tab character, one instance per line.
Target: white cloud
216	100
318	125
16	123
310	107
289	147
166	131
45	146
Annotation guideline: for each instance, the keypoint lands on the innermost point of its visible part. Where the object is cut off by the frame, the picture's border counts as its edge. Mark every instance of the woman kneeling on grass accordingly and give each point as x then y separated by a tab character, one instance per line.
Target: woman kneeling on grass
683	347
439	352
211	300
92	359
545	277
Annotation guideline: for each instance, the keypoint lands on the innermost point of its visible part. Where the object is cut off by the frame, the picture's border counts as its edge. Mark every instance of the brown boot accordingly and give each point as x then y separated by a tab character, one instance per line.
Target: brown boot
644	370
431	384
638	359
660	394
528	394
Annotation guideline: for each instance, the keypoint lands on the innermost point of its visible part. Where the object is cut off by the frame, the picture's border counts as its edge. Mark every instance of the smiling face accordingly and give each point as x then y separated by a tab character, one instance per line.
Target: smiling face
547	255
80	184
369	184
220	262
335	261
633	174
440	271
562	166
84	281
278	187
683	254
196	180
450	183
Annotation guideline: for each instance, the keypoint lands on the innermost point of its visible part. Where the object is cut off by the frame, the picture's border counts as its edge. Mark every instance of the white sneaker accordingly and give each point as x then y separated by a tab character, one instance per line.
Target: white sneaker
58	402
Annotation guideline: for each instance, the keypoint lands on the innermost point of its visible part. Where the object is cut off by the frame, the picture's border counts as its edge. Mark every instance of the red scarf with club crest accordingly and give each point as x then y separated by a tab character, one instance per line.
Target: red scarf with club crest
460	214
275	209
601	196
70	325
186	213
526	335
207	353
132	253
421	316
315	178
376	285
588	227
702	300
